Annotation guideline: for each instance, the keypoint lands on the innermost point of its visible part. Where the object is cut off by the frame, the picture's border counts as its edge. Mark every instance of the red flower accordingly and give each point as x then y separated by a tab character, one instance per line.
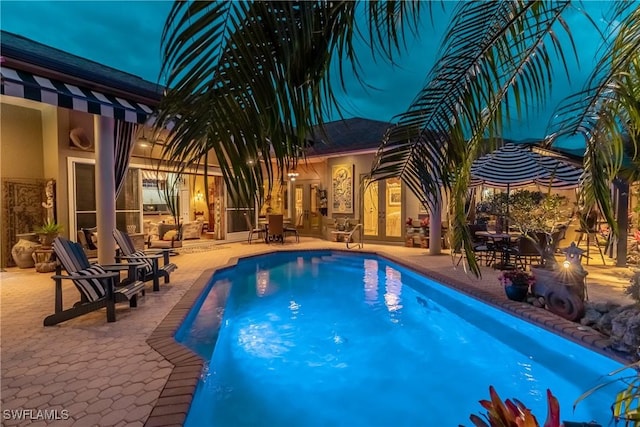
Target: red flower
518	276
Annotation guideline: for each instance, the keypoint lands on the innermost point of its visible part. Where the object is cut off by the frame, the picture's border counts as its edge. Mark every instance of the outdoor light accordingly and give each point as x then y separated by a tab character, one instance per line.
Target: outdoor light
199	196
143	141
573	254
566	264
292	175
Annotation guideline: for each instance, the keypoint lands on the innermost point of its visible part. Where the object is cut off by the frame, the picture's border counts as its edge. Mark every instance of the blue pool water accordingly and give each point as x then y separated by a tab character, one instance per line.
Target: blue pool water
335	339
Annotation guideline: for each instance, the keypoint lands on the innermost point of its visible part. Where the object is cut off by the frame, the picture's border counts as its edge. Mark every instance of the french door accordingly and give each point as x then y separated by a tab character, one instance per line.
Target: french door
306	207
382	210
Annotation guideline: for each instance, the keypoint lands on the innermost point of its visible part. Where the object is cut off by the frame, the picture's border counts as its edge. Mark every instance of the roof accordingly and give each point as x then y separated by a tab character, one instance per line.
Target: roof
28	51
342	136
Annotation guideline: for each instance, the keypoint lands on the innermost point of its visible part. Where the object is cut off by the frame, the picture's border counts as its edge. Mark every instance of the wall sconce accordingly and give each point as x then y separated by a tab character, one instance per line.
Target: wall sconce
199	196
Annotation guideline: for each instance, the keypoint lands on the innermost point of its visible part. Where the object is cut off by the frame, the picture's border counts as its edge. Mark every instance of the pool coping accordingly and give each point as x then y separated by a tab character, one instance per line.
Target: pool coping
174	401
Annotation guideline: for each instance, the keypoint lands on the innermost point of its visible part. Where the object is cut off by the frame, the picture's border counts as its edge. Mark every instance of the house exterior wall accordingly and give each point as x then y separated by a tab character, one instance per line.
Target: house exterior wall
21	143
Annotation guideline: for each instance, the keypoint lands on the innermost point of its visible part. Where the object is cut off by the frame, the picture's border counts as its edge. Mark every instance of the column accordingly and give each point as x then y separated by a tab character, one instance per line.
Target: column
105	188
435	227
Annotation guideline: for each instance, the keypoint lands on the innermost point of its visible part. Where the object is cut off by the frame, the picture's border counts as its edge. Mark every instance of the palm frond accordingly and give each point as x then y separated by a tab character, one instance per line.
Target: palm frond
249	80
606	112
493	51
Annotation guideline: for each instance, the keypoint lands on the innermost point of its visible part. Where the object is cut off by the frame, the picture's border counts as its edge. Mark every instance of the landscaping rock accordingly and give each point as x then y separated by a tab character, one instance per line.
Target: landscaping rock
604	307
625	329
591	316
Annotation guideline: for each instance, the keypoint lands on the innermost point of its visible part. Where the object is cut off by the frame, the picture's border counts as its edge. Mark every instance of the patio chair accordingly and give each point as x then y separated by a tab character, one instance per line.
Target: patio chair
99	285
252	230
291	229
169	237
526	252
483	249
275	228
151	270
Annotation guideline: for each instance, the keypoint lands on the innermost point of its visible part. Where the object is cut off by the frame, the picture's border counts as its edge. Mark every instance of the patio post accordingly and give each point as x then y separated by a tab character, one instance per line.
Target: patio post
435	227
105	188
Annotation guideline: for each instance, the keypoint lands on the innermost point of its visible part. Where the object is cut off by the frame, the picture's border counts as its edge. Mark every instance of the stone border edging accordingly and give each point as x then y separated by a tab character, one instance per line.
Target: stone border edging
175	399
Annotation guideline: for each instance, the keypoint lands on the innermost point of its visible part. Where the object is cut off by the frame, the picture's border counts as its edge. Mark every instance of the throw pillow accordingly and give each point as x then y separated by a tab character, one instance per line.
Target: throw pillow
153	231
88	234
169	235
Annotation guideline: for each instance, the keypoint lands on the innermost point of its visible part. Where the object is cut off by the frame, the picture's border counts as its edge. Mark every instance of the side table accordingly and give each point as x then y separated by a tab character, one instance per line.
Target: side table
43	258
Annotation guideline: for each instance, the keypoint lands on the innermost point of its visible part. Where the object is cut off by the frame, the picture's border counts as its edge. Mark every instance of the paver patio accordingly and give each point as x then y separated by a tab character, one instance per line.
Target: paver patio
97	373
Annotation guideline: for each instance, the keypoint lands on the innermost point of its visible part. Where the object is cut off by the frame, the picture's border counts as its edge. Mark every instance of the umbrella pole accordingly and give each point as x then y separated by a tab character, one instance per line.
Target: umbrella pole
506	219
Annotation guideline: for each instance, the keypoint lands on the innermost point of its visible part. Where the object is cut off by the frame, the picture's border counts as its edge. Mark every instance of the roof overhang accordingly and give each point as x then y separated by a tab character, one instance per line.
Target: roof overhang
27	85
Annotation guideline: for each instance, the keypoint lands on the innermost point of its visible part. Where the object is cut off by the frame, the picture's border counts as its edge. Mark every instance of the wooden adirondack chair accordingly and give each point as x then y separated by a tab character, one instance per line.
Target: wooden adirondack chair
99	285
152	269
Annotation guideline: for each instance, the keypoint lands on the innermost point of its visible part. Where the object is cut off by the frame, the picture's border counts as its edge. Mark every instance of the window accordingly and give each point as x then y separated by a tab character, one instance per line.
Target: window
127	204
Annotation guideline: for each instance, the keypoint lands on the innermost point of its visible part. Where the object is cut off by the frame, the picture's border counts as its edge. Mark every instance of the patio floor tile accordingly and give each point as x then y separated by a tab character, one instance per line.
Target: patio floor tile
112	374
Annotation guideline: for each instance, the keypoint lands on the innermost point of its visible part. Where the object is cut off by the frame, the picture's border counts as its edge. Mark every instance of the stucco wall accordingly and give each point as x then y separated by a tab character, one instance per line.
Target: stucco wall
21	143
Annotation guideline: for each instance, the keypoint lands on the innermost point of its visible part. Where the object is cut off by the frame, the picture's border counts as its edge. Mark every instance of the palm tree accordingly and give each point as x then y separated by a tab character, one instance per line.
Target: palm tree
248	80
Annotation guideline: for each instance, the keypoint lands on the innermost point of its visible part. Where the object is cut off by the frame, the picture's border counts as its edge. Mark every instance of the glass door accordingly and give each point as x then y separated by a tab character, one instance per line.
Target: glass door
83	199
236	224
306	207
382	210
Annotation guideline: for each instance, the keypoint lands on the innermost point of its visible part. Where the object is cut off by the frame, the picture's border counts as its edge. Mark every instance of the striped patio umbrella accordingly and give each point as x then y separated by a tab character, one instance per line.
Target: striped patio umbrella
513	166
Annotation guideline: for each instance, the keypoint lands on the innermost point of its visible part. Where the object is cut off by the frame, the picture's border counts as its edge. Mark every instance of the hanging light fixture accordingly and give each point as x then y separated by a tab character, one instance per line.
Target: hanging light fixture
292	175
143	141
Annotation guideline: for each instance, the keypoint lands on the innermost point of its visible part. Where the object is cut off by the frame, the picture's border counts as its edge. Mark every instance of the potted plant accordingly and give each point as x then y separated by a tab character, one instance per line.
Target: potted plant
424	225
516	283
48	231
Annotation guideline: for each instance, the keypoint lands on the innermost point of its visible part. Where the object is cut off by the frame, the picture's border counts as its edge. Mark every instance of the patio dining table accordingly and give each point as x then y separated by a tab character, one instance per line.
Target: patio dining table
503	243
264	224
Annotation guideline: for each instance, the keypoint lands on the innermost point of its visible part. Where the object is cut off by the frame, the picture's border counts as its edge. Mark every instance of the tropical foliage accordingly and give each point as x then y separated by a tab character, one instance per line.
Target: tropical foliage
626	406
169	192
536	212
248	80
49	227
514	413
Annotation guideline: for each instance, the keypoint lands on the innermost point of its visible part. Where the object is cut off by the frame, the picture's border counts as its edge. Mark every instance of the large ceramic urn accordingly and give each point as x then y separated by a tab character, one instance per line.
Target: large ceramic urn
22	251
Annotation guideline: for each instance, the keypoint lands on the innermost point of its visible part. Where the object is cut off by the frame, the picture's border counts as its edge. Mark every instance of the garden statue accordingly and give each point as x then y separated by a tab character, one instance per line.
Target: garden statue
49	203
562	290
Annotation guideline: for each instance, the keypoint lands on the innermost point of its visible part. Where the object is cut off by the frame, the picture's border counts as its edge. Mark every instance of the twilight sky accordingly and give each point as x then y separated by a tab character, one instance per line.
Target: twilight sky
126	35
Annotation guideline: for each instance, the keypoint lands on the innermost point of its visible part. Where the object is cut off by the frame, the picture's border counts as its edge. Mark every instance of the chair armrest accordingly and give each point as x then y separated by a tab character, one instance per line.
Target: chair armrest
165	253
115	267
147	256
109	275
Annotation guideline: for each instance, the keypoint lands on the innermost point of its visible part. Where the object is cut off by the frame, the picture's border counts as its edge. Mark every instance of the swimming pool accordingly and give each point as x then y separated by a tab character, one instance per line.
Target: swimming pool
330	338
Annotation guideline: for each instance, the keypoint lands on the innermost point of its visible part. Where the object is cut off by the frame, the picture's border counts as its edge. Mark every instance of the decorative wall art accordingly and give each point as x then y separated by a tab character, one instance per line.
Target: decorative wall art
342	186
394	194
22	212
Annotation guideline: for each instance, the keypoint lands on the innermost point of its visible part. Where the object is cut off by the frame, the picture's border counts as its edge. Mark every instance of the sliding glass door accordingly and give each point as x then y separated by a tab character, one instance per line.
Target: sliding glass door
83	200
